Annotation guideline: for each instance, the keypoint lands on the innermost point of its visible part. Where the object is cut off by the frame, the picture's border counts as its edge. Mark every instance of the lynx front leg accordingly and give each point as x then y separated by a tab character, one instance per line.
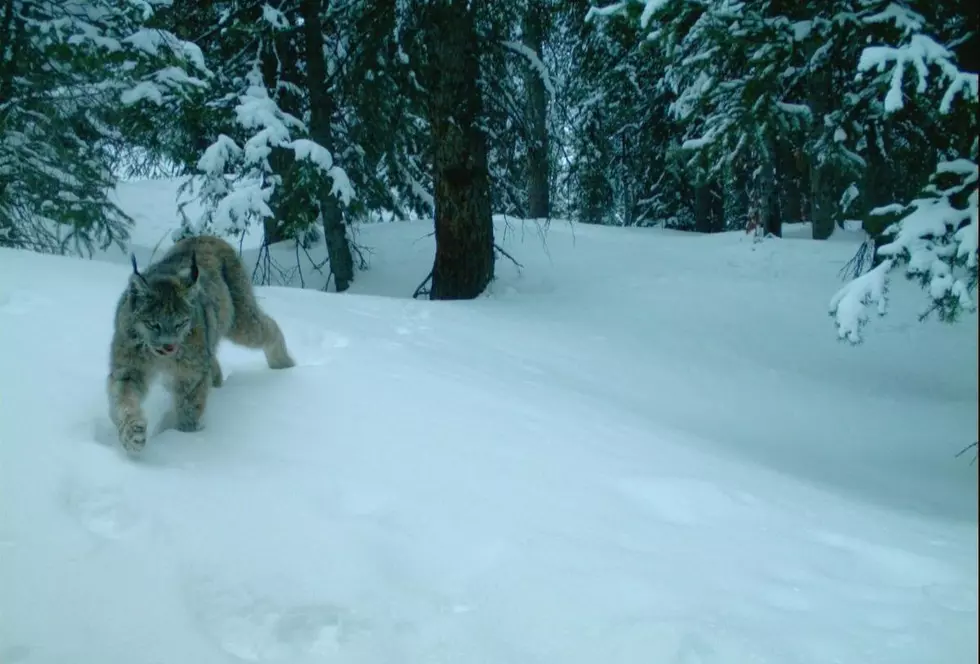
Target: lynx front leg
126	392
190	397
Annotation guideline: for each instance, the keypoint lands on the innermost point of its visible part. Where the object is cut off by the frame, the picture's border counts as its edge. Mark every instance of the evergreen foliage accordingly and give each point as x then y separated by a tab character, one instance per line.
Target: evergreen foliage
702	115
66	69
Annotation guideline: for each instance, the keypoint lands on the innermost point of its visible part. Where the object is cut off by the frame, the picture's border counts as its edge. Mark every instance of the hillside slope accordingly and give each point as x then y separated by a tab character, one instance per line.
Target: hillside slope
645	447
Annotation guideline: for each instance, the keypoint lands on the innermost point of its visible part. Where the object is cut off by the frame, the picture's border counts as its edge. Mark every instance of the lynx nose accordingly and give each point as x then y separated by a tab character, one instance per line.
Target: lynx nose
165	349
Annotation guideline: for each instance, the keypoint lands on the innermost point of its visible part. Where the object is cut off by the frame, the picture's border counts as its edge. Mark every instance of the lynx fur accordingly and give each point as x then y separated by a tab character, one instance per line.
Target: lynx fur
169	322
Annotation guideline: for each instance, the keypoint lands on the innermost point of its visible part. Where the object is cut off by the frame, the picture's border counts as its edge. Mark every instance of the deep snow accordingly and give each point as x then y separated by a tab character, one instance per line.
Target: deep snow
644	447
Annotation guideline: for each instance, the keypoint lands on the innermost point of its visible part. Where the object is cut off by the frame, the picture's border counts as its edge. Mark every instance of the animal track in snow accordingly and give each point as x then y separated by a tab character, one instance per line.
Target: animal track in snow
253	628
102	510
313	347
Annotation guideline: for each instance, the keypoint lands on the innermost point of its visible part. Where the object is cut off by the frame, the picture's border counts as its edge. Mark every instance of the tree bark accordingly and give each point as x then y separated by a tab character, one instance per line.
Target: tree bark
709	208
823	202
538	194
767	200
464	261
321	112
281	52
791	183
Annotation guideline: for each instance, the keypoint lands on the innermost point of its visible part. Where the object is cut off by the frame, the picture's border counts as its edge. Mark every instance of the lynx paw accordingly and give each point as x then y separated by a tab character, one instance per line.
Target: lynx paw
188	424
279	359
217	377
132	434
282	363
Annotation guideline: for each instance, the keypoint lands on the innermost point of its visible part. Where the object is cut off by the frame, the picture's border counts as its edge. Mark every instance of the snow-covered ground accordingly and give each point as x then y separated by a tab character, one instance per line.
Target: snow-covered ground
645	447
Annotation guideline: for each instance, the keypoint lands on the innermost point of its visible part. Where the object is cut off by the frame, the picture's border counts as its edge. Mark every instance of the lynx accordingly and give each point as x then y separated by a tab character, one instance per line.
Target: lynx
168	323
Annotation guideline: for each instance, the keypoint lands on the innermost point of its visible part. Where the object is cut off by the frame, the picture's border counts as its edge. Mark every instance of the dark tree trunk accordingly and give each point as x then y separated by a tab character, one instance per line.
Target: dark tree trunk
538	194
822	203
709	208
790	185
279	63
822	199
464	260
321	112
767	201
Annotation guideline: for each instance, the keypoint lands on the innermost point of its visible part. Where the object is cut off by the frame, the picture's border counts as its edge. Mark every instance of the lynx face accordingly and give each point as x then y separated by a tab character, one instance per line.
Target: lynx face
162	311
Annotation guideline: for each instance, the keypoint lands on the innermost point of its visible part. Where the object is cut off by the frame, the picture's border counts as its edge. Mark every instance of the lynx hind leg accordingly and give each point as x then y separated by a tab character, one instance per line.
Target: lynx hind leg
251	327
217	378
254	329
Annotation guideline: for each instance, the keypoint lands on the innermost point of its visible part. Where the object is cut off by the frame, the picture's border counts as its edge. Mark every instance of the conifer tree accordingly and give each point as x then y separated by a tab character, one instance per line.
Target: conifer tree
66	69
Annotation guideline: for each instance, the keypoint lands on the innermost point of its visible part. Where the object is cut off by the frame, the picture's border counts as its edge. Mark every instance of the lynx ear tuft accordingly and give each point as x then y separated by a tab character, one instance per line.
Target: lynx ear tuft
195	272
137	281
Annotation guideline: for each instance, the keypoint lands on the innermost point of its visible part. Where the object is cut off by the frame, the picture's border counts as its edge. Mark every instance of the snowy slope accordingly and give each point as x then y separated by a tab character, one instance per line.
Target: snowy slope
645	447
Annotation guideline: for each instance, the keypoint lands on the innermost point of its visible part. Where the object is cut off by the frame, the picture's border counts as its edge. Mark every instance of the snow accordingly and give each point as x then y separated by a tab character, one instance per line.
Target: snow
667	457
650	8
314	152
608	10
906	20
930	232
307	150
144	90
274	17
219	155
802	30
534	62
849	305
920	53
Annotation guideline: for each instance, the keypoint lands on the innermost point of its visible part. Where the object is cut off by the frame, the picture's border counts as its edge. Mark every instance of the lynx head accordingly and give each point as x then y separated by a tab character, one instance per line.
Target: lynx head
163	307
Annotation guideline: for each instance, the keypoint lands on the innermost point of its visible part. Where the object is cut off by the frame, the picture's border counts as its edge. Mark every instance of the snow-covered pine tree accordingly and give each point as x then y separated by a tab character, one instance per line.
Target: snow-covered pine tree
266	168
65	68
731	67
377	124
613	123
935	235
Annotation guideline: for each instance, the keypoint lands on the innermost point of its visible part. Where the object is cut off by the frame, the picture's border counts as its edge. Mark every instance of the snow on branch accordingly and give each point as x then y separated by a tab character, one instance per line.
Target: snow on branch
935	235
608	10
906	20
650	9
248	165
936	239
535	62
850	304
919	53
307	150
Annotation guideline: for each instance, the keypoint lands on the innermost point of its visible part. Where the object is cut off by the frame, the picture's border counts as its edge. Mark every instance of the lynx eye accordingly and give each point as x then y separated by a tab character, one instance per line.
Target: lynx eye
153	327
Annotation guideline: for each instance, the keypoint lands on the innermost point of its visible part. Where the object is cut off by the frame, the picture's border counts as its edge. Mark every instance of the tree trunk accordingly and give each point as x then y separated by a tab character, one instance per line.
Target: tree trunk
823	203
538	194
790	184
464	260
321	112
709	208
767	201
280	54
